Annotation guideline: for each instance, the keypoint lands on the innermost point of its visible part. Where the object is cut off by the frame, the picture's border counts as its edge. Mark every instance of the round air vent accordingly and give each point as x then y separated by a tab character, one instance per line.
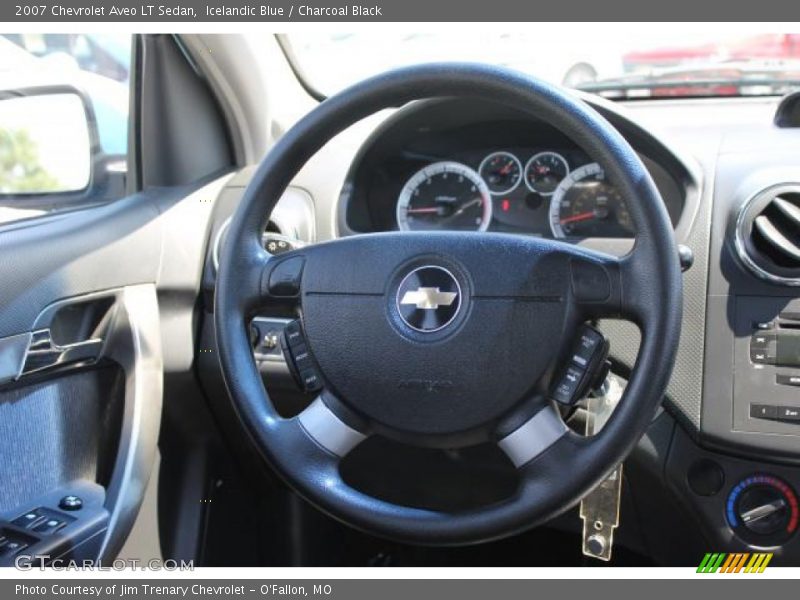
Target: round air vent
768	234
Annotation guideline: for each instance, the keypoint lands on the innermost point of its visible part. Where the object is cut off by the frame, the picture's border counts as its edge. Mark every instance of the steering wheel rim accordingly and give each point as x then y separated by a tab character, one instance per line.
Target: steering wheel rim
557	467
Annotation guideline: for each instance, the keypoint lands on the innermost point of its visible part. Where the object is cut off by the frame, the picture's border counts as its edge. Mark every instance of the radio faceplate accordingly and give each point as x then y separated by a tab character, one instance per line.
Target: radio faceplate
775	346
766	391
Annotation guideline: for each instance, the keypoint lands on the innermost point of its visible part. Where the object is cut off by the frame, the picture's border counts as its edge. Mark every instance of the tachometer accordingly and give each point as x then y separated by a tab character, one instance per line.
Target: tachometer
585	204
544	171
444	195
501	171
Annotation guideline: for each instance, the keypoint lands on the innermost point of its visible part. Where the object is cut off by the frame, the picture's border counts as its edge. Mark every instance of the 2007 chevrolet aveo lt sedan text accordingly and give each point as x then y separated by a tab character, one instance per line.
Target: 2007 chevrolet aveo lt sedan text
287	300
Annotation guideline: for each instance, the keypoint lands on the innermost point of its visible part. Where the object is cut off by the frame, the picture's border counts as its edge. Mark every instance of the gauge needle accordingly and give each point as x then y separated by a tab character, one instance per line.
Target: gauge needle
424	211
465	206
584	216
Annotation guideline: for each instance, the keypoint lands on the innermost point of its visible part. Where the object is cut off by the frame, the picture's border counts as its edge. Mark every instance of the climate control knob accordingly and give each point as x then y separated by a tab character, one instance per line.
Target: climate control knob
763	510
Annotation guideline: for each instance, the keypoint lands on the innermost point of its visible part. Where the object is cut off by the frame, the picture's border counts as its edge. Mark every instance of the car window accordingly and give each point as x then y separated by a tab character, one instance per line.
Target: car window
63	121
642	64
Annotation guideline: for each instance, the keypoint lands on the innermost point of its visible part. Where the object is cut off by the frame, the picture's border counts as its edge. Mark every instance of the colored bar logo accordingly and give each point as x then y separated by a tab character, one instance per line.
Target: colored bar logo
720	562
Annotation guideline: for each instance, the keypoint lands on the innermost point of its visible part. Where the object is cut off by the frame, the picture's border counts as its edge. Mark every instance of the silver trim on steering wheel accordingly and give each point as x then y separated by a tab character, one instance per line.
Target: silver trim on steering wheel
330	432
535	436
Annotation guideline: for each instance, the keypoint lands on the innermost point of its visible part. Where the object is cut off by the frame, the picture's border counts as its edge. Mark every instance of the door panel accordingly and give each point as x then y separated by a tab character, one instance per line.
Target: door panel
81	360
87	424
75	253
135	345
97	319
58	428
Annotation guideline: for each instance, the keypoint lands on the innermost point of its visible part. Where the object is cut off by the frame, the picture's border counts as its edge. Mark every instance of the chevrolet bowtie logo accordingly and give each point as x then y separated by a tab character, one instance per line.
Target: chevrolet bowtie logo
428	298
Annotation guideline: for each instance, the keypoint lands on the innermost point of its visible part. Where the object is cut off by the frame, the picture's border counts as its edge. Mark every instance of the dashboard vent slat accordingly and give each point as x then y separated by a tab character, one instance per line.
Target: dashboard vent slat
768	234
776	238
789	210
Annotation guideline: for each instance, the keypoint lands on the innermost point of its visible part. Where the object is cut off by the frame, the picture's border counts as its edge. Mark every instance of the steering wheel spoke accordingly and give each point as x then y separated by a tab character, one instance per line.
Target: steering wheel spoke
533	437
604	286
266	281
323	426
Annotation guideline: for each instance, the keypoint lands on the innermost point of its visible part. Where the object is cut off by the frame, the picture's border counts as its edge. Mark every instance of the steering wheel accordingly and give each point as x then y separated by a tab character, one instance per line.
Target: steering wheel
469	355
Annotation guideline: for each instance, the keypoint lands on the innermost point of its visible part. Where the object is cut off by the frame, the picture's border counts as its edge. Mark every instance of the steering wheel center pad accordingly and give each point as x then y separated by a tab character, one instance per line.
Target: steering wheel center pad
457	377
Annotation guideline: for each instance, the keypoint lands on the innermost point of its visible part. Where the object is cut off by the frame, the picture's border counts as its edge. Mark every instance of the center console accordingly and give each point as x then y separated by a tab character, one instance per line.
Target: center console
766	390
740	473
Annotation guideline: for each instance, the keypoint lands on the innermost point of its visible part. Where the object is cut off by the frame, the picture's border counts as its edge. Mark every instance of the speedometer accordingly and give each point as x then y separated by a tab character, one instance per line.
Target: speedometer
585	204
444	195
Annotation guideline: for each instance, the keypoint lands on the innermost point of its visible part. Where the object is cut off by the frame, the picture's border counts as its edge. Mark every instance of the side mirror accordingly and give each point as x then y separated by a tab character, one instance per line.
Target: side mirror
48	141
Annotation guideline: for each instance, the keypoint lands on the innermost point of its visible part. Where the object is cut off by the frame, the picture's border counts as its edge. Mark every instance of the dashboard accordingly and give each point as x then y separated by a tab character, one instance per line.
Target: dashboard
728	440
474	167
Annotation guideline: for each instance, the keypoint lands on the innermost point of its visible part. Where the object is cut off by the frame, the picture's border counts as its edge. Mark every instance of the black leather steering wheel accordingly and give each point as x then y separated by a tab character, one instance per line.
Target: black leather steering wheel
479	370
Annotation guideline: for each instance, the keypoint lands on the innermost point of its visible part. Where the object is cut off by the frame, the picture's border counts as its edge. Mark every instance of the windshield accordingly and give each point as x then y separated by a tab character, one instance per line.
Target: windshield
641	64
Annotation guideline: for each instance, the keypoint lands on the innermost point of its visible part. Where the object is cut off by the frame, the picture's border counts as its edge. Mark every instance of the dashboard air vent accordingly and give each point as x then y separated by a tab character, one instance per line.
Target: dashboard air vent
768	234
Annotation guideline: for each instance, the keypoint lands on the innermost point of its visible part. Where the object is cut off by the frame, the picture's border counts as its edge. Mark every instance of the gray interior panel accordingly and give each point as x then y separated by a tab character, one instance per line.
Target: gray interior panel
66	425
685	390
85	251
57	431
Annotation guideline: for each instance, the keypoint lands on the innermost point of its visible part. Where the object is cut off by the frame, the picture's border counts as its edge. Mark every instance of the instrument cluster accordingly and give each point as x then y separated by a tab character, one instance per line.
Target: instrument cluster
552	192
468	165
